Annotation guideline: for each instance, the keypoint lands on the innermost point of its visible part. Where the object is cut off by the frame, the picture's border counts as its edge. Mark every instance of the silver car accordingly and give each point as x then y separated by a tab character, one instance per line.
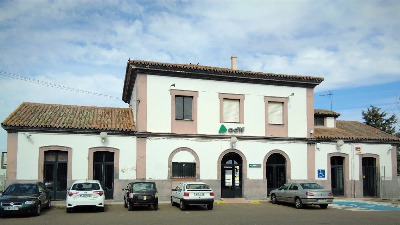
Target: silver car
302	194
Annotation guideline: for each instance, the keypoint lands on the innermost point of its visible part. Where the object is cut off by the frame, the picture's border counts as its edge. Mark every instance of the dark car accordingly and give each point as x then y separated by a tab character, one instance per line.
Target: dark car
24	198
141	194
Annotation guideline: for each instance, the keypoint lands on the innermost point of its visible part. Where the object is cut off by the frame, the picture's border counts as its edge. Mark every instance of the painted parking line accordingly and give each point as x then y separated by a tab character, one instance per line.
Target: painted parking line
362	206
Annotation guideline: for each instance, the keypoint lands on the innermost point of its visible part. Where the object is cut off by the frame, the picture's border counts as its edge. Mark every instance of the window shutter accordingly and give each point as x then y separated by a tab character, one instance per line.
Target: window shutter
231	110
275	112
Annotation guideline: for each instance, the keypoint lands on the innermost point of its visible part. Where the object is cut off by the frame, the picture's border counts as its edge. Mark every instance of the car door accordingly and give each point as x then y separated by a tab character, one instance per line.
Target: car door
292	192
281	193
176	193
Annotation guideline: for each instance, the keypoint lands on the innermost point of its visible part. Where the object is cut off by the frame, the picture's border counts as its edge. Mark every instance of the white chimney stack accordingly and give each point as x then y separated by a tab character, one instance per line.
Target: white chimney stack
234	62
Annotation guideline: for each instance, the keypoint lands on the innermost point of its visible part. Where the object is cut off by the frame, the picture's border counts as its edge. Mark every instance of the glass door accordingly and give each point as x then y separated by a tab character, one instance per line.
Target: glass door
337	180
231	176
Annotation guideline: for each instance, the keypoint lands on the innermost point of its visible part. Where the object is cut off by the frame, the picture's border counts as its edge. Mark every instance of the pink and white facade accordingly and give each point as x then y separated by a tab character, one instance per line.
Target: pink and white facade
242	132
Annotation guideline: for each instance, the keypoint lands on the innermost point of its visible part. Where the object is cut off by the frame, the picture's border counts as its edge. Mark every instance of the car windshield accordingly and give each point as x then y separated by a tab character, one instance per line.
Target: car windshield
86	186
197	186
21	189
311	186
143	187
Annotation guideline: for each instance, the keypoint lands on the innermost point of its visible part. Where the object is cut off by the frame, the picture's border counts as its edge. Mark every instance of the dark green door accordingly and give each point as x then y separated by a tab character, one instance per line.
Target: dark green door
55	173
276	172
337	180
369	177
103	171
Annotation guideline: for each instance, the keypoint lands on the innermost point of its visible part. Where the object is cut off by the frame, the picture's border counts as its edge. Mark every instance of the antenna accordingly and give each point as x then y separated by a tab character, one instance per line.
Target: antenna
330	94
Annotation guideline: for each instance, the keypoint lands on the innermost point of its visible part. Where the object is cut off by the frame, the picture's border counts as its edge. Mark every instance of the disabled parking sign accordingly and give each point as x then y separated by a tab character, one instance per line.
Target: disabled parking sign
321	173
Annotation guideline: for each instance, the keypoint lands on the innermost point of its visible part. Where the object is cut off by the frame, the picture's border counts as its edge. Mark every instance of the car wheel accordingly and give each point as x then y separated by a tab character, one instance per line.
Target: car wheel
49	204
298	203
210	206
155	206
273	199
69	210
172	202
324	206
101	209
182	206
37	211
130	207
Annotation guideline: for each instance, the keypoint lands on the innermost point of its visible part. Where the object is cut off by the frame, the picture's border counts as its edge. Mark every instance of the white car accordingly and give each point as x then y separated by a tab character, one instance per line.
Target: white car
85	193
192	193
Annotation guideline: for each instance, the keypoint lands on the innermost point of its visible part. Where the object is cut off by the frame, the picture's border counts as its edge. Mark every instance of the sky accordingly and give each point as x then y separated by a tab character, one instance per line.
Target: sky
75	52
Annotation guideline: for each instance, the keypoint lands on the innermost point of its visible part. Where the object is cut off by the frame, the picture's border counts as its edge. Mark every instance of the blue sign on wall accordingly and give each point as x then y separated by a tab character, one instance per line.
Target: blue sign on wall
321	173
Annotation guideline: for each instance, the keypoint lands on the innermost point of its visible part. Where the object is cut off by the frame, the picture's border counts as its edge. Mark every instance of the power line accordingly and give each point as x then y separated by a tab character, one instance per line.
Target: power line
53	85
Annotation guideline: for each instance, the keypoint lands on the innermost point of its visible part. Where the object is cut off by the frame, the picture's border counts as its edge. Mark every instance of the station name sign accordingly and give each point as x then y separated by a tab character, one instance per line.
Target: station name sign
254	165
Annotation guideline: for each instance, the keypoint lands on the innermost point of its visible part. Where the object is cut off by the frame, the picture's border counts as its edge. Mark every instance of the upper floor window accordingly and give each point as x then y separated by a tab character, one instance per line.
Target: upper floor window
183	107
319	121
276	116
232	108
275	112
184	111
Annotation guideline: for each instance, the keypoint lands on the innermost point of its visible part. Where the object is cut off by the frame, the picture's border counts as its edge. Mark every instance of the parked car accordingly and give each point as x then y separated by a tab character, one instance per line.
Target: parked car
192	193
141	193
24	198
302	194
85	193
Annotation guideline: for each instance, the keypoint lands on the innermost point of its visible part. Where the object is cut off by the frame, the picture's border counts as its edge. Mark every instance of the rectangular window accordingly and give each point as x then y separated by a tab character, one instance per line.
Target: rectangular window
231	110
183	107
275	112
183	170
319	121
4	160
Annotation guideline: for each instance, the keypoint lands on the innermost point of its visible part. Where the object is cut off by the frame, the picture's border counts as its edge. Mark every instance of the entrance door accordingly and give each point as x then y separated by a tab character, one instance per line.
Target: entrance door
231	176
55	173
369	176
337	180
103	170
276	172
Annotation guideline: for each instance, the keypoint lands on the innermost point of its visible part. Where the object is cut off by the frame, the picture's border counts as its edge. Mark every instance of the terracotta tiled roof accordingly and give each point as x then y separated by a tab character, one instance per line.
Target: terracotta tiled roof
325	112
211	73
353	130
69	117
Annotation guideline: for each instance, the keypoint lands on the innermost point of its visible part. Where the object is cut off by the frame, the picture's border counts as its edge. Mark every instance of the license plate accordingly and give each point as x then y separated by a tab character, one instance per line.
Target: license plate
11	208
198	194
321	200
85	195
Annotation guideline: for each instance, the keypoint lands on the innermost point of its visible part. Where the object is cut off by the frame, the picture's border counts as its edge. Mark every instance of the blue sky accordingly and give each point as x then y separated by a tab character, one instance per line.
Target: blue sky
84	45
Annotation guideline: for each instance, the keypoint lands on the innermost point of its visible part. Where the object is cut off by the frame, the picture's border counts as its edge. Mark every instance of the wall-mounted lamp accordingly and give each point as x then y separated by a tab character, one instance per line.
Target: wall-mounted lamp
233	141
103	136
291	95
27	135
339	144
173	85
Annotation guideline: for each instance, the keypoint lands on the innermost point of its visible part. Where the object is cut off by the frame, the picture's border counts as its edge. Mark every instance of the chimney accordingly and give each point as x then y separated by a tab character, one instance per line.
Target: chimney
234	62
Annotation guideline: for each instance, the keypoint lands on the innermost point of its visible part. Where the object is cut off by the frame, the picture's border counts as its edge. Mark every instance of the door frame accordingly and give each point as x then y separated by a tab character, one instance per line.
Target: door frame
377	165
243	168
346	178
116	162
288	165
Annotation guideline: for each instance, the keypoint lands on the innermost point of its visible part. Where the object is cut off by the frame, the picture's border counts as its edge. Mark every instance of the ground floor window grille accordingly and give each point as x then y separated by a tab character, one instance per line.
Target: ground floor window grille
183	170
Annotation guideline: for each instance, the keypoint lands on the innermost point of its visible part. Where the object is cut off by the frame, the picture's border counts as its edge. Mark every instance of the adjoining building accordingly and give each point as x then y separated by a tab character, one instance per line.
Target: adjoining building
244	133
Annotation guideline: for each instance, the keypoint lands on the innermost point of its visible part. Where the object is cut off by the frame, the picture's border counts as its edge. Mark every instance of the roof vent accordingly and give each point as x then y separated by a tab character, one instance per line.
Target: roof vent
234	62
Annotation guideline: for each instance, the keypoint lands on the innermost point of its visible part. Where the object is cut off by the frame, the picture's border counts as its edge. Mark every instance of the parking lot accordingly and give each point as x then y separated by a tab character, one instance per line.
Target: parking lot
261	213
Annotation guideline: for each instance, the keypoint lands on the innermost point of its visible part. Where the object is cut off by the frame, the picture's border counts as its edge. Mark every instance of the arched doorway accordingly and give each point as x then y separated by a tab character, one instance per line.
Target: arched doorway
337	177
55	173
369	177
275	171
231	175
